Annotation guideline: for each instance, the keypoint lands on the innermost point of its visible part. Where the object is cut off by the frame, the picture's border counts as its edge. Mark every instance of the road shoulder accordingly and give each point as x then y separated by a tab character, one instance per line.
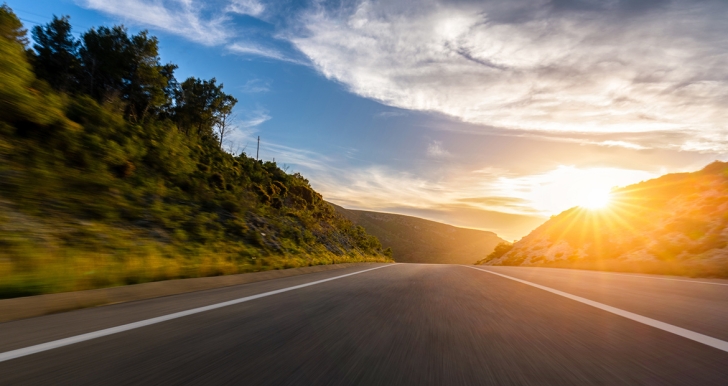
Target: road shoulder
32	306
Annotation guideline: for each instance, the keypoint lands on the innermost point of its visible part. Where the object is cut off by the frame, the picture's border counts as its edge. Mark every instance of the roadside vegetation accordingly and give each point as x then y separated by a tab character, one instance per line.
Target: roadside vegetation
112	172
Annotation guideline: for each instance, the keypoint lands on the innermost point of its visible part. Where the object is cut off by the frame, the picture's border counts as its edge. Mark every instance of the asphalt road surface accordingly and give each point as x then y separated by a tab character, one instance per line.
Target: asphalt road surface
404	324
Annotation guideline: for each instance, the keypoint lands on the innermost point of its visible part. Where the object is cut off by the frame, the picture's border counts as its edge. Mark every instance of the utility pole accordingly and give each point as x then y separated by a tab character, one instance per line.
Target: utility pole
257	152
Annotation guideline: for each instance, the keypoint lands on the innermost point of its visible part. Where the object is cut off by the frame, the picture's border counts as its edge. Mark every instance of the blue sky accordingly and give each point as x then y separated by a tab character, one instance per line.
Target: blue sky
485	114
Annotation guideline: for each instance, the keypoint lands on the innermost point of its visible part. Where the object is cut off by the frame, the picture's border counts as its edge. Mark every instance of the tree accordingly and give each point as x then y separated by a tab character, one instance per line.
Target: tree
11	29
201	105
116	65
56	53
225	118
20	97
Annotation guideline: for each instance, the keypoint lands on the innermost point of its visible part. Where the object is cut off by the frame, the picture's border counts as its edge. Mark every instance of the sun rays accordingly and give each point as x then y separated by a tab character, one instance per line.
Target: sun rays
596	199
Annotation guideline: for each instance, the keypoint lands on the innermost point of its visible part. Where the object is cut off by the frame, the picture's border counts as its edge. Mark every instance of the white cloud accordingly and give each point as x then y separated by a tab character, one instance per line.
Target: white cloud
247	48
390	114
244	129
180	17
255	86
624	144
246	7
196	20
435	150
530	66
255	118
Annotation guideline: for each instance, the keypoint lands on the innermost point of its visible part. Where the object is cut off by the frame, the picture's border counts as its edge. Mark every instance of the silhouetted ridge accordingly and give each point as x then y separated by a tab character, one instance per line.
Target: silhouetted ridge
416	240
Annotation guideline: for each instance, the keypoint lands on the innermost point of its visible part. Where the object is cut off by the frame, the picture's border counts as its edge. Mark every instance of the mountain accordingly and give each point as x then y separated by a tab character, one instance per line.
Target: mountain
415	240
674	224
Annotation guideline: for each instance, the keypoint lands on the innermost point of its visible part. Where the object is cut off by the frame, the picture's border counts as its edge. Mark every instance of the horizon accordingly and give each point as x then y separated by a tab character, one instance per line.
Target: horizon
490	116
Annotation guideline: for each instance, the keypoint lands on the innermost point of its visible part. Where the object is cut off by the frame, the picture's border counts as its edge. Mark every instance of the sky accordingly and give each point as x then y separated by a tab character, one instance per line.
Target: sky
492	115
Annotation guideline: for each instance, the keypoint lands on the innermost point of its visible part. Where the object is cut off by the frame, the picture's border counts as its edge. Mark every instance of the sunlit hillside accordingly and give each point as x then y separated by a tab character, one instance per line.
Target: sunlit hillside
416	240
677	224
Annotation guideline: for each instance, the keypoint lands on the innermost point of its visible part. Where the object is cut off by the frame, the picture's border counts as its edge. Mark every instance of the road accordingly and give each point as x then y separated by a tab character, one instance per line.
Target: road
404	324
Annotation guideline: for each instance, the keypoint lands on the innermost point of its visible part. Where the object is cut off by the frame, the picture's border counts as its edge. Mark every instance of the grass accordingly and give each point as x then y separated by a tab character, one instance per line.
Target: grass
36	272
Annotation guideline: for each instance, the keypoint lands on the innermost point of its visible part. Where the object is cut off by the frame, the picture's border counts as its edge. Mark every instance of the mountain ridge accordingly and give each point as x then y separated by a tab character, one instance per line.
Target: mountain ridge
417	240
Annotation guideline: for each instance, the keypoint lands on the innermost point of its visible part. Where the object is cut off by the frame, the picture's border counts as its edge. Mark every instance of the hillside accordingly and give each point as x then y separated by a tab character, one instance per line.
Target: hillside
112	172
415	240
675	224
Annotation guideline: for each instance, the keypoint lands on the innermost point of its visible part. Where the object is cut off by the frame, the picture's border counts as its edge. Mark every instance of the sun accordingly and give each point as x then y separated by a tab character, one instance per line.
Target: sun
595	199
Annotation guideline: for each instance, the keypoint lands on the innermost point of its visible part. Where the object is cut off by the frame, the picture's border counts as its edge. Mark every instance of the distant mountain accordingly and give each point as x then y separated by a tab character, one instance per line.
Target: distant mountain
675	224
415	240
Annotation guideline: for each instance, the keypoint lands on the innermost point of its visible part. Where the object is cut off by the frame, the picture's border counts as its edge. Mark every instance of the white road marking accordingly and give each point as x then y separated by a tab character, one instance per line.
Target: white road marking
8	355
669	278
631	275
692	335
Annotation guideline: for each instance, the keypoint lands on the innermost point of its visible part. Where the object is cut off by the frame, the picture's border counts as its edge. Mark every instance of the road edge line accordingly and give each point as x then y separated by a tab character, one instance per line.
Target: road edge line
692	335
21	352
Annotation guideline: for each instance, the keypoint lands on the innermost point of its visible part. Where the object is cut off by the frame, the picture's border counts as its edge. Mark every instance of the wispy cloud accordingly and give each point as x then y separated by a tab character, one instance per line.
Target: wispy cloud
379	187
246	7
254	118
244	127
624	144
435	150
247	48
180	17
255	86
390	114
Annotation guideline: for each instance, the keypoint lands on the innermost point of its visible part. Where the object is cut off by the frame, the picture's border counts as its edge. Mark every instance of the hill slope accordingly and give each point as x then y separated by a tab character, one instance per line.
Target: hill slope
675	224
415	240
112	172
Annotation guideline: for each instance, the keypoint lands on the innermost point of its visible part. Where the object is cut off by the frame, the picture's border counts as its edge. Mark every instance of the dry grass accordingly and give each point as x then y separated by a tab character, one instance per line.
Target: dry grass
77	271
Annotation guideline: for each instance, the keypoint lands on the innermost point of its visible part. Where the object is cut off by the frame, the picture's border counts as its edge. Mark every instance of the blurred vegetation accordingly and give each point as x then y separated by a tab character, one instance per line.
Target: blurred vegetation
112	173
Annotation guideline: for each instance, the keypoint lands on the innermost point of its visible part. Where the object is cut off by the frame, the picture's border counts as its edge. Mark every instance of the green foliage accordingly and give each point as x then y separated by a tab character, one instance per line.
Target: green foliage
56	50
11	29
21	96
114	175
116	65
200	105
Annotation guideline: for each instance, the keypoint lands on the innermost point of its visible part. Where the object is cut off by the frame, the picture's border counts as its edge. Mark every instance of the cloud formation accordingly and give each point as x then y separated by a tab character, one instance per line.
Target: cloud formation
551	66
554	66
188	18
246	7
